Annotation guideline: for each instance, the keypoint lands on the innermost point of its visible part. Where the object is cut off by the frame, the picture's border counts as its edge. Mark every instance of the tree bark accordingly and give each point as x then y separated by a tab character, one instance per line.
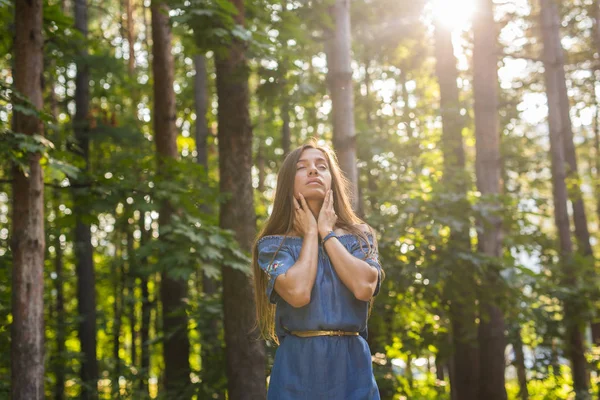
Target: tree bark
339	80
130	36
86	283
245	355
554	77
596	324
28	240
485	83
286	134
146	310
211	354
520	365
59	388
260	165
131	281
118	278
173	292
460	290
201	103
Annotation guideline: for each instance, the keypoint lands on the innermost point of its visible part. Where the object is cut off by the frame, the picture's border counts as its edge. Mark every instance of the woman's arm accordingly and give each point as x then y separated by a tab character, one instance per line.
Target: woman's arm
356	274
296	284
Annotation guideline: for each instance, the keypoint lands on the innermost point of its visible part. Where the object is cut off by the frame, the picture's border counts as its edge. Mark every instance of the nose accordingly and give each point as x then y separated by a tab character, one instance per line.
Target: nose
312	170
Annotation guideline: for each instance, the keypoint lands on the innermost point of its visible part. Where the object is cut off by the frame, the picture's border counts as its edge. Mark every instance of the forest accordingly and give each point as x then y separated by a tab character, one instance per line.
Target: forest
140	142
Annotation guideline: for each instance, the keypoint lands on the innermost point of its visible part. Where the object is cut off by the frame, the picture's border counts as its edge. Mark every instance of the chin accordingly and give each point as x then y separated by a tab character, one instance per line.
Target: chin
314	194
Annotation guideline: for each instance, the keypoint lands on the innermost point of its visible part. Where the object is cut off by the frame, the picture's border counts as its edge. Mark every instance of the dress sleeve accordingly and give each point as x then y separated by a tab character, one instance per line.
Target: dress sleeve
274	259
360	250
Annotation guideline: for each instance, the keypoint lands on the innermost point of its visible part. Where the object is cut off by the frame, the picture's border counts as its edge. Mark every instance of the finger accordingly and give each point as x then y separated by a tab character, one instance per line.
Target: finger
296	204
303	202
331	198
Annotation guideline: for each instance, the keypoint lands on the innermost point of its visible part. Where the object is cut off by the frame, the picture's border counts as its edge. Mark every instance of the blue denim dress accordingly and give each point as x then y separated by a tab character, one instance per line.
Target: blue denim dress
322	367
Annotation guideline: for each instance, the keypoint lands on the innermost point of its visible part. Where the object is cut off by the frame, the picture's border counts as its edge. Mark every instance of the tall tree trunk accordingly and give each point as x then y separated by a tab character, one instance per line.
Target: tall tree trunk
559	124
146	310
460	287
260	165
130	36
59	317
596	325
313	112
86	283
118	277
520	365
173	292
28	241
244	354
286	139
201	103
595	11
339	80
132	269
485	84
59	388
212	354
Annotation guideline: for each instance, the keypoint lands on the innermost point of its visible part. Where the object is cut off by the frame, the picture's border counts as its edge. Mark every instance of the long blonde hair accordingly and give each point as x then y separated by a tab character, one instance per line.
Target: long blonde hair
281	222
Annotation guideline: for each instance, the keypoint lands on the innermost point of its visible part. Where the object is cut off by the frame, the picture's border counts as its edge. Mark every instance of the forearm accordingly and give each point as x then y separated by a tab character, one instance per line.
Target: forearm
357	275
296	284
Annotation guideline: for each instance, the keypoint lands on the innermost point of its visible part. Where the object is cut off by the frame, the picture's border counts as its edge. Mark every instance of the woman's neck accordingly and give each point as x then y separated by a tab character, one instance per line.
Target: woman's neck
315	207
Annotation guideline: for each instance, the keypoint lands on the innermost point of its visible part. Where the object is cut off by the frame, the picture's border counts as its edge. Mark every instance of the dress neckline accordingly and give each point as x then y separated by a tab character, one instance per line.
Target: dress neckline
300	238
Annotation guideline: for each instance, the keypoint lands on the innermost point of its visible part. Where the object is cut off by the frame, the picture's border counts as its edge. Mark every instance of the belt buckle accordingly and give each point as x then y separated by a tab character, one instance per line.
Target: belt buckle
338	333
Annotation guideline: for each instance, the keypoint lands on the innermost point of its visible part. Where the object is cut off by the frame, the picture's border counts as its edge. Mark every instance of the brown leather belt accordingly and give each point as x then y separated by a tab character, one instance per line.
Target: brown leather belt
322	333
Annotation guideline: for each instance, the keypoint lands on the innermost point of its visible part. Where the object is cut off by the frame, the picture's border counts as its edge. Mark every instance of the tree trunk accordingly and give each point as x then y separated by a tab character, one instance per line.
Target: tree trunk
460	290
173	292
59	388
201	102
211	354
520	365
131	281
244	354
339	80
596	325
485	84
260	165
146	310
130	36
28	240
596	71
286	139
117	312
559	124
86	283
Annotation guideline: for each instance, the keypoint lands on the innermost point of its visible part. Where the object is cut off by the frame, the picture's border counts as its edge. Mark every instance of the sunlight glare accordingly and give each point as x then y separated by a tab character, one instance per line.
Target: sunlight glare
454	14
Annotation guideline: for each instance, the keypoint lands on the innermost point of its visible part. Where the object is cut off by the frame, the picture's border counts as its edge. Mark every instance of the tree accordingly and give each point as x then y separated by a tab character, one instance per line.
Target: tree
460	288
339	80
485	85
559	123
173	291
86	281
245	354
28	238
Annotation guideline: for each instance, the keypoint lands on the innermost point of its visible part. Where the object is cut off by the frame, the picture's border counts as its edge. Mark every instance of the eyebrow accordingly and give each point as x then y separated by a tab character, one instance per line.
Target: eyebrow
318	159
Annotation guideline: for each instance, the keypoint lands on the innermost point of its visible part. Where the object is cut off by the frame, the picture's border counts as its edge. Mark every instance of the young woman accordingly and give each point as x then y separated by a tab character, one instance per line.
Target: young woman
315	272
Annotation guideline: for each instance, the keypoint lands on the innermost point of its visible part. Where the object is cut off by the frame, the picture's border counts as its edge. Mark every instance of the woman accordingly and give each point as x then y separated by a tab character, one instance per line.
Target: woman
315	272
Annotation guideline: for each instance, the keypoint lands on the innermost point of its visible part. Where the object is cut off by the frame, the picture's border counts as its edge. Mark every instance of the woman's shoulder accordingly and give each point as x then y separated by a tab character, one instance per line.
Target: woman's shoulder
278	240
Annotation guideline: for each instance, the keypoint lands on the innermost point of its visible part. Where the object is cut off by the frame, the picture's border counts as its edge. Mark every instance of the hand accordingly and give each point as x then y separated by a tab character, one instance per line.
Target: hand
327	215
304	220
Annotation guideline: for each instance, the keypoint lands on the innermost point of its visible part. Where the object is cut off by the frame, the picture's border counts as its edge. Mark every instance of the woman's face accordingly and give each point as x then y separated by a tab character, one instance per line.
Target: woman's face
313	177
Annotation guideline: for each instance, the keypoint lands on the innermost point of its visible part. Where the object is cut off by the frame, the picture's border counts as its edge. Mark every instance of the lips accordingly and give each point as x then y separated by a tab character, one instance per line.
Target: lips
313	181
